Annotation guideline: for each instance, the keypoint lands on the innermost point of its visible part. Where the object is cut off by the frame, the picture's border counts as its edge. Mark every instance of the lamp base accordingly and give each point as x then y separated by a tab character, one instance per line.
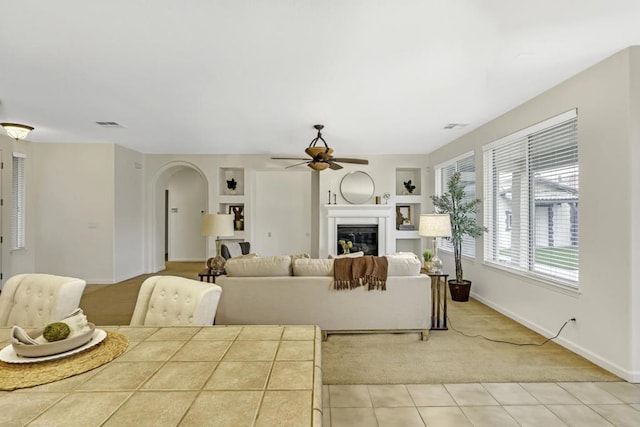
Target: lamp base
216	264
436	265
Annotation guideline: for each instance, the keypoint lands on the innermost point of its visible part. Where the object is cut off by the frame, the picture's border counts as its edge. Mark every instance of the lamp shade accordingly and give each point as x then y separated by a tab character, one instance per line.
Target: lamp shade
435	225
16	131
217	225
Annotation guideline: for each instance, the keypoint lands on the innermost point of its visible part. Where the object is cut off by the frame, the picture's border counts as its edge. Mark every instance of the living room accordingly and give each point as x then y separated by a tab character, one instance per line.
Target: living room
96	210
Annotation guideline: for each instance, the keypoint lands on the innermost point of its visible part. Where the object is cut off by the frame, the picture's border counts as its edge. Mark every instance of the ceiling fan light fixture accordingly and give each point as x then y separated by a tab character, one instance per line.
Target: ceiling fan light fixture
16	130
318	166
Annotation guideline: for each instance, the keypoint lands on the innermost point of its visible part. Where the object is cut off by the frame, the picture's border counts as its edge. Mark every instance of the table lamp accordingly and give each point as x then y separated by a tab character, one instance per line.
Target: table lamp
435	225
218	225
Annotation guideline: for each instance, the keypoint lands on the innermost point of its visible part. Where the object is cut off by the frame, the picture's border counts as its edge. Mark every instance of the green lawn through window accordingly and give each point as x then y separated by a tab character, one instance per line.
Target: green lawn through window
564	257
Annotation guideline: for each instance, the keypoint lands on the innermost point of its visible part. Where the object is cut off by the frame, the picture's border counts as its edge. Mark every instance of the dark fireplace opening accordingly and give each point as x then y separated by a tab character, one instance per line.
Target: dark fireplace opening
363	237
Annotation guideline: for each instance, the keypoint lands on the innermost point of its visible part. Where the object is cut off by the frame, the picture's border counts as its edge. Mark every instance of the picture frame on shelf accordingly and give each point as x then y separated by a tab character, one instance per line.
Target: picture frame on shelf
238	212
403	216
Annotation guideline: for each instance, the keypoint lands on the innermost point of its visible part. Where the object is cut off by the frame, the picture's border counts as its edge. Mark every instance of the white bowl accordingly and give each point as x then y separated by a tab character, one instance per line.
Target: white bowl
55	347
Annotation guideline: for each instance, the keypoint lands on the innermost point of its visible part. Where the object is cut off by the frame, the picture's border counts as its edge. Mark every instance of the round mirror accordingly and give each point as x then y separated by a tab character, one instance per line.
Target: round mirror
357	187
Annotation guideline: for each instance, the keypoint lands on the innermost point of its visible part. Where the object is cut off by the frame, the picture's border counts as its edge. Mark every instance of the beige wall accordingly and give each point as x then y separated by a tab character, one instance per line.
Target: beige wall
22	260
603	329
128	206
634	223
74	221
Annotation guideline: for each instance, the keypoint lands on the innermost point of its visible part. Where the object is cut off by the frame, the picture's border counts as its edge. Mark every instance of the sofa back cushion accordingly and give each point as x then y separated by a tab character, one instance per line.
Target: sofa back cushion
404	264
313	267
279	265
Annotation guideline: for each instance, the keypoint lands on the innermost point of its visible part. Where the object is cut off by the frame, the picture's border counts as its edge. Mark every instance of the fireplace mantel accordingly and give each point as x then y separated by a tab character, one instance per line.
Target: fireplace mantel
383	215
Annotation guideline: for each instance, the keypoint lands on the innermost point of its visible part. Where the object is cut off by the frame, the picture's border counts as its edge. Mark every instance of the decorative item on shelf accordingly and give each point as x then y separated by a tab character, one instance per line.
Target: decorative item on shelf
454	204
435	225
377	200
232	184
428	259
407	227
16	131
403	216
386	197
217	225
346	245
408	187
238	216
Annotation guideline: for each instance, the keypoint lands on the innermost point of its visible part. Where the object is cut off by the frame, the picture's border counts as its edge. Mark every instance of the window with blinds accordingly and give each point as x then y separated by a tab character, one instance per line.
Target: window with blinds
531	200
18	213
464	164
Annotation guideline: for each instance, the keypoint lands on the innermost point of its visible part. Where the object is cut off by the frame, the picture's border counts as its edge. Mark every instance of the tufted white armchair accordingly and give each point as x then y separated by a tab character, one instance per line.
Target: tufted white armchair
35	300
176	301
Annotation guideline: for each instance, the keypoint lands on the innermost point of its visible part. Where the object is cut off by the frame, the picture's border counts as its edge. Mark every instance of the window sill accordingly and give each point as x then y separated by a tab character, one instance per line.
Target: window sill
554	285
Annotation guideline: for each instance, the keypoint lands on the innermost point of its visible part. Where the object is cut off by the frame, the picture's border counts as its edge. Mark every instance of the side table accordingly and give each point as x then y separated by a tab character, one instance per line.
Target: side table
209	274
438	301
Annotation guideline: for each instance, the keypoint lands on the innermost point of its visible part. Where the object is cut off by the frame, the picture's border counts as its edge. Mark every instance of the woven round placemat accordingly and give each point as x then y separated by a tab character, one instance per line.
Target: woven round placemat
22	375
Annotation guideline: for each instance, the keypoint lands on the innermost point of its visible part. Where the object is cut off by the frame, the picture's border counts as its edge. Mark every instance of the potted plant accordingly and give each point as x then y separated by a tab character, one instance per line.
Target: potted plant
462	224
428	259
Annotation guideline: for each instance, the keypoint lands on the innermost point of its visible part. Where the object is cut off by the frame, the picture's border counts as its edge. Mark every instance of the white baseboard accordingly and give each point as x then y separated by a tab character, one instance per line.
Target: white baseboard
124	277
186	260
629	376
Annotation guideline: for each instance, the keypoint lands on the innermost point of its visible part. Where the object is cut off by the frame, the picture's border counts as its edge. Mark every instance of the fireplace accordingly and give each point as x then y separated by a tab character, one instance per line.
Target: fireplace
364	237
380	217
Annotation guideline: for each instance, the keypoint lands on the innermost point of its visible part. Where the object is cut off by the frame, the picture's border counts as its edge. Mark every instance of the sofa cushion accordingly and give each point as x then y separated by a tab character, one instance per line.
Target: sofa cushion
278	265
313	267
404	264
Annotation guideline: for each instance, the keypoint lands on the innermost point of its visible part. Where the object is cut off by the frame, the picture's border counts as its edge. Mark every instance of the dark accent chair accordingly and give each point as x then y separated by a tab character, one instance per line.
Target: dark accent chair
245	247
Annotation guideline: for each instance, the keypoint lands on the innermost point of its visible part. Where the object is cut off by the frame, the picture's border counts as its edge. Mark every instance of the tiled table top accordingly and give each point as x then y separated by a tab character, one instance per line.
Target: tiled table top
187	376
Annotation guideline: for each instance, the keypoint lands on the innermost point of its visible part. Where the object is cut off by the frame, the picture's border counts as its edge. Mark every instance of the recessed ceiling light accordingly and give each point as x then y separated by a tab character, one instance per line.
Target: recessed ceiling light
110	124
455	125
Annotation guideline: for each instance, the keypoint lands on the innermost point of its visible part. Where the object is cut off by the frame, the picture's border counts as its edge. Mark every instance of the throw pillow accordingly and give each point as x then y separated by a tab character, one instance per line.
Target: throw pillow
403	265
279	265
313	267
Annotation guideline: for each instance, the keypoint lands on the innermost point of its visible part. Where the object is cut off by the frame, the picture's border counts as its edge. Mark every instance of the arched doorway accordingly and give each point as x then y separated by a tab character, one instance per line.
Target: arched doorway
179	196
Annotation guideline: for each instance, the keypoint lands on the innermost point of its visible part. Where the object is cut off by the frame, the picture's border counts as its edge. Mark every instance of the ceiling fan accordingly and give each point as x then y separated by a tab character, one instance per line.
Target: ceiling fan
321	157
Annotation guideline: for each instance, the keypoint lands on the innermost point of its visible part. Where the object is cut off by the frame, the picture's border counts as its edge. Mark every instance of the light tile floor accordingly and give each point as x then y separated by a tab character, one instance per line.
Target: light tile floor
487	404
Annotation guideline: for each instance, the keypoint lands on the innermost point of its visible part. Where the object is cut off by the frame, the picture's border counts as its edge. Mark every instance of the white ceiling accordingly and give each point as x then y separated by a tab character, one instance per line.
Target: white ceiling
253	76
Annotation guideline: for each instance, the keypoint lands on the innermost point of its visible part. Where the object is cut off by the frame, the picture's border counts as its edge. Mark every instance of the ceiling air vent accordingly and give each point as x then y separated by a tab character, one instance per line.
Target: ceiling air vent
110	124
455	125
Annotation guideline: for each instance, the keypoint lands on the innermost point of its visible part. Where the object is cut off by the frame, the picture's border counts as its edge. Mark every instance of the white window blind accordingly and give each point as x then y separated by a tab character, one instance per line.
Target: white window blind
531	200
18	213
464	164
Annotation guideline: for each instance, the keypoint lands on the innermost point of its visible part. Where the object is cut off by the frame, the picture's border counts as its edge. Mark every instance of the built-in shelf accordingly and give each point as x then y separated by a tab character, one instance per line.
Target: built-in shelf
229	176
405	175
407	234
232	200
409	204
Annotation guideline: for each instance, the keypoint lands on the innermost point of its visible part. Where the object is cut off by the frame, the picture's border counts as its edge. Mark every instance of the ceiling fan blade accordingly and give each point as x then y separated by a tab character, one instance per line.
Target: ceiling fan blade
297	164
347	160
334	166
287	158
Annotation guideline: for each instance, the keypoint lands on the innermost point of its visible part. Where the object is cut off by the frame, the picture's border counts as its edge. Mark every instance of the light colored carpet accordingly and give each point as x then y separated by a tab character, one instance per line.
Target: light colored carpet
447	357
450	357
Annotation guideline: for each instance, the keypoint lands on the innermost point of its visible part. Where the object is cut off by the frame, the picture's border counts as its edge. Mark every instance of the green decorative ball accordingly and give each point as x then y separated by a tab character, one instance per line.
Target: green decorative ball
56	331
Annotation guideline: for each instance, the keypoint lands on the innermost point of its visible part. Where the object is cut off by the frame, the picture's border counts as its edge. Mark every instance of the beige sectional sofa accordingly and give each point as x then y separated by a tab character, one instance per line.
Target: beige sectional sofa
279	290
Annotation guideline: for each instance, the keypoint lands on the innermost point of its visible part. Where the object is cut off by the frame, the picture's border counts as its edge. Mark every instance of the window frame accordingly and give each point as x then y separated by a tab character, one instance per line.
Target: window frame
18	208
468	242
492	218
